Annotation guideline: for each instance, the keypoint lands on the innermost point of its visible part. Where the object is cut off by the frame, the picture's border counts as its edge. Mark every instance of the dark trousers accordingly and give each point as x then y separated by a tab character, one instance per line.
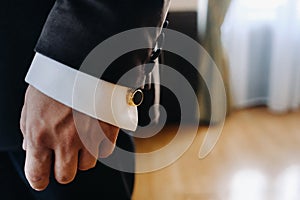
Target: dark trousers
101	182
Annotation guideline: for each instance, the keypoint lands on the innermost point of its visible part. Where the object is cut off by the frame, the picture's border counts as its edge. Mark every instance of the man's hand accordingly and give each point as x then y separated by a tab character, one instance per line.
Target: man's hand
50	130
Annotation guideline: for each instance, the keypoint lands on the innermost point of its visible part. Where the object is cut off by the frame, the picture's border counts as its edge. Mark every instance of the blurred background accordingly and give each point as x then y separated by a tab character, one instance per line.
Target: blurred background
255	46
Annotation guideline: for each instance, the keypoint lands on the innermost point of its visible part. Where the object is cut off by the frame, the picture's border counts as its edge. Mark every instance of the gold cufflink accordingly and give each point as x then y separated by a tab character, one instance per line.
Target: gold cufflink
135	97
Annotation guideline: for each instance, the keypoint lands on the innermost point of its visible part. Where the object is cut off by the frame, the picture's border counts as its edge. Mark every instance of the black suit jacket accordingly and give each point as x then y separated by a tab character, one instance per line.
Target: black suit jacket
66	31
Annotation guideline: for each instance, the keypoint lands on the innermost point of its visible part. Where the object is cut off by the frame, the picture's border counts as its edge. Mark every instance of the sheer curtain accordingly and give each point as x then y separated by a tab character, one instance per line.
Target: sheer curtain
210	16
262	42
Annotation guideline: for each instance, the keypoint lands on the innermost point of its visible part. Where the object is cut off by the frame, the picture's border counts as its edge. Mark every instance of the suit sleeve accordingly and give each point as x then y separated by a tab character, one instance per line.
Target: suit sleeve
75	27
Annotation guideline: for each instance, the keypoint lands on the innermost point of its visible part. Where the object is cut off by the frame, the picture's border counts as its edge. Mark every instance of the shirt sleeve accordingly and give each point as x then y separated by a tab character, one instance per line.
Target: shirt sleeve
97	98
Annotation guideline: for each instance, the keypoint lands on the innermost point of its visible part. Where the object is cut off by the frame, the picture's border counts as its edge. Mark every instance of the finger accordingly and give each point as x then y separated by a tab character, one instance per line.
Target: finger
37	167
65	165
86	160
106	148
111	132
108	144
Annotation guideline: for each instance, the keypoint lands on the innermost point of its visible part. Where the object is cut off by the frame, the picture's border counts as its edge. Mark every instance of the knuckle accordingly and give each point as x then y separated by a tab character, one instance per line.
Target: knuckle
39	139
34	178
37	127
64	178
37	181
65	170
70	140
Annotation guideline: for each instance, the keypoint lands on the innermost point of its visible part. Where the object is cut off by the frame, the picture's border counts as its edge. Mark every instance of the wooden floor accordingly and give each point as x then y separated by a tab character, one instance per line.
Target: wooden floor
256	158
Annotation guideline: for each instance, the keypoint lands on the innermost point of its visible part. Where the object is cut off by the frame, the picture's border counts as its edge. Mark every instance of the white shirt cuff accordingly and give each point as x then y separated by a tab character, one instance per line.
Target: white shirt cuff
92	96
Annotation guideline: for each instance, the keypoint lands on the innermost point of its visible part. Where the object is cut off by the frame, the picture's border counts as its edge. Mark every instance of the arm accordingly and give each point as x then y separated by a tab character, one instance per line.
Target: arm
73	29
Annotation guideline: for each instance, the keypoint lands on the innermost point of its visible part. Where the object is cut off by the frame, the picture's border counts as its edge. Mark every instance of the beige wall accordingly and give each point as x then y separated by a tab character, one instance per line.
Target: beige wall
183	5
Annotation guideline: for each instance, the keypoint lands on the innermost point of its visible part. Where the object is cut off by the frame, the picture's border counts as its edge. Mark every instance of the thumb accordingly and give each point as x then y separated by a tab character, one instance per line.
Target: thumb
108	144
106	148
